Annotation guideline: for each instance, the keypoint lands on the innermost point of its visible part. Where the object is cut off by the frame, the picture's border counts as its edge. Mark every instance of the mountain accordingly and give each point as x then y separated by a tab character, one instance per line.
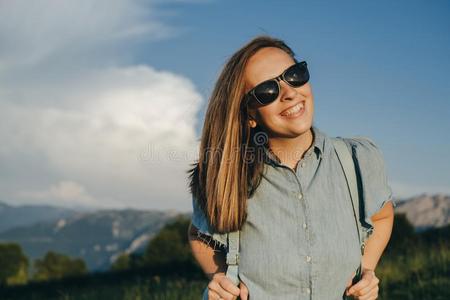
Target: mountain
14	216
426	211
96	237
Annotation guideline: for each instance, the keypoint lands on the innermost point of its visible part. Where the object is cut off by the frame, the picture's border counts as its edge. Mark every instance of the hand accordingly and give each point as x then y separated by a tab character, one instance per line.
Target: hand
366	288
349	282
244	291
222	288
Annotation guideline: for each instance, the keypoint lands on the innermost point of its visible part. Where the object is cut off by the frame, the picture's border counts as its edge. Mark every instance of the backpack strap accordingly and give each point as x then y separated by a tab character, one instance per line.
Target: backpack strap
346	160
233	256
347	165
232	260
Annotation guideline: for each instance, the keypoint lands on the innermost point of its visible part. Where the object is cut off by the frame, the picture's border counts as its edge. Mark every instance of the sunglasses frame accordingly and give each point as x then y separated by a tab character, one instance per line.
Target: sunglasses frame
277	79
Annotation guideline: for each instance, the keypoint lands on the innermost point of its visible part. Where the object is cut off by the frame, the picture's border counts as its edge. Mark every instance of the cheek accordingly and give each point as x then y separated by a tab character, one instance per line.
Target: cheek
306	89
270	116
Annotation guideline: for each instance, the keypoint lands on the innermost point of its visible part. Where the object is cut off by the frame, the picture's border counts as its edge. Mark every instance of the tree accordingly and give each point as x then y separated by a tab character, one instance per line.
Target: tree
170	245
13	264
121	263
403	235
55	266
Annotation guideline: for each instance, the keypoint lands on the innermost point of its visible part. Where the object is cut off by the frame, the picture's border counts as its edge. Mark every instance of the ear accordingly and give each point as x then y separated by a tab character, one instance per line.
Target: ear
252	120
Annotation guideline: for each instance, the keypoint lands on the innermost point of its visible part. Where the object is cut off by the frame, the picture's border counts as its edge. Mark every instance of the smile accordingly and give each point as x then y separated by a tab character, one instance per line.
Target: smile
294	111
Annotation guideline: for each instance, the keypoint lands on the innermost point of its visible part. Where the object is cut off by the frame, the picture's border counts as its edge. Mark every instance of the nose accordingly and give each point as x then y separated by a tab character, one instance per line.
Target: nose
287	92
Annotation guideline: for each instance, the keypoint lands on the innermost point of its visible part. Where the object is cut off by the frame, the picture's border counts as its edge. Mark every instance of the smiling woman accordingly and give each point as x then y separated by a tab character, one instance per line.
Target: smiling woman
266	172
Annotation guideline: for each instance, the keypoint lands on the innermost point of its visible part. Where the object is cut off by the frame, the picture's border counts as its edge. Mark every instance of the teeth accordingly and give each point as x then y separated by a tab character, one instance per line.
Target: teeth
293	110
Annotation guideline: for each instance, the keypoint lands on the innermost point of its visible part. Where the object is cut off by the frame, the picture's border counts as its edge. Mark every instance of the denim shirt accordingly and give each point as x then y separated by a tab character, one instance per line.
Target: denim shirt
300	240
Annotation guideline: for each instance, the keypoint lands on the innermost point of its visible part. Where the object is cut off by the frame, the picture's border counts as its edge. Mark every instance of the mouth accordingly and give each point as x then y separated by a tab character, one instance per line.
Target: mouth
294	110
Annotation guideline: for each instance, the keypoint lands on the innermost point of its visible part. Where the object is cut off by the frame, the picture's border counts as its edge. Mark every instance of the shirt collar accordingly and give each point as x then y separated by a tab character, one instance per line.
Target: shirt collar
317	147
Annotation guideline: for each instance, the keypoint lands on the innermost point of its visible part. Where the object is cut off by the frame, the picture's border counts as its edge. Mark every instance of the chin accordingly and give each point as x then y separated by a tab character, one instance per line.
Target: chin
300	127
293	131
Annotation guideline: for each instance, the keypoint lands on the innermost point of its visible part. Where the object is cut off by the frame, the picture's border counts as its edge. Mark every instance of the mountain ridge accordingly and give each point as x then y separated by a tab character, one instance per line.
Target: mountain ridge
100	236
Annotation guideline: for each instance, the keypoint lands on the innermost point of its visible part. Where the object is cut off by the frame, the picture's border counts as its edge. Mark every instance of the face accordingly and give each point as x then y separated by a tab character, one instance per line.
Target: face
268	63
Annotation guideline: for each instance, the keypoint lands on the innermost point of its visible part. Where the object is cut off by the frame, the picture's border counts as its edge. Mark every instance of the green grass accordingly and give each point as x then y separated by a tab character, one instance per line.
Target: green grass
154	288
413	267
420	272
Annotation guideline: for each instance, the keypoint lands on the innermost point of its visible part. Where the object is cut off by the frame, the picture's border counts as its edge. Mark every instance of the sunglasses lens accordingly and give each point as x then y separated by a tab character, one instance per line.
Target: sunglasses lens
267	92
297	75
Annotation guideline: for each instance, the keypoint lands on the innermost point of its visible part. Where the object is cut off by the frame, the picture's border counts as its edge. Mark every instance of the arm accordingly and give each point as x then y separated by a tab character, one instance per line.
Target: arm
383	222
376	243
212	260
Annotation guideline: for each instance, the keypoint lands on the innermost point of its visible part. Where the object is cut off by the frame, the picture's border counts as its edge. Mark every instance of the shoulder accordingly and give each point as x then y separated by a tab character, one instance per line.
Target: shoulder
366	150
364	142
369	158
370	163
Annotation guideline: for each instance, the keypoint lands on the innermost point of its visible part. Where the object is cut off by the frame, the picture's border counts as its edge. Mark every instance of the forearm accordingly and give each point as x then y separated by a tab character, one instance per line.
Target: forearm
211	259
377	242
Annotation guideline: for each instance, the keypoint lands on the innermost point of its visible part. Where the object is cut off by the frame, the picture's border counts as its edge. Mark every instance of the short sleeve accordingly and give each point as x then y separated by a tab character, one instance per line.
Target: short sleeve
200	222
375	187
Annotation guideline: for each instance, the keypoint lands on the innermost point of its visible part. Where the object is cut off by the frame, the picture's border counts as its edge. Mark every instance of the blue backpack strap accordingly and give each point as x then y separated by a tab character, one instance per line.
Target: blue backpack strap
347	164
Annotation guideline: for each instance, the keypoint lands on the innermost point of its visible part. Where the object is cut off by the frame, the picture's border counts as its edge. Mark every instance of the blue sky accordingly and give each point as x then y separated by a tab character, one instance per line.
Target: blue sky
379	68
85	87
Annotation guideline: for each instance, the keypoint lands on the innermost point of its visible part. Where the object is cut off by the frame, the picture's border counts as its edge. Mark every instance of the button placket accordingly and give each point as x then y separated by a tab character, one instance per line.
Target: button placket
300	196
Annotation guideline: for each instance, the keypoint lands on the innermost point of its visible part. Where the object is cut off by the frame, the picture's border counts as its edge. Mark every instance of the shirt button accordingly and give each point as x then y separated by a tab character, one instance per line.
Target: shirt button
302	164
308	290
308	258
304	225
300	196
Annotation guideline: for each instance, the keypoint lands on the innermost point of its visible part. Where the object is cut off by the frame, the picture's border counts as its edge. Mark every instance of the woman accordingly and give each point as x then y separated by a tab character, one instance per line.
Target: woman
265	169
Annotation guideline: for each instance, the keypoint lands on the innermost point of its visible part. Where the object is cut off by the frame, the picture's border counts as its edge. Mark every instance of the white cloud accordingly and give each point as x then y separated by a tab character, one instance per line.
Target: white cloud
64	193
84	136
103	141
43	29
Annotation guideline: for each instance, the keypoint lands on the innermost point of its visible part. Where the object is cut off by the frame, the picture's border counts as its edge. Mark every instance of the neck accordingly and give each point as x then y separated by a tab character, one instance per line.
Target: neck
291	150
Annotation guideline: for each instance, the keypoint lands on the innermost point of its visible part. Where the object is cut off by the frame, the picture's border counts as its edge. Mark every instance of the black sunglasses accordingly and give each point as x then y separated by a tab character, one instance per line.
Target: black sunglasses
267	91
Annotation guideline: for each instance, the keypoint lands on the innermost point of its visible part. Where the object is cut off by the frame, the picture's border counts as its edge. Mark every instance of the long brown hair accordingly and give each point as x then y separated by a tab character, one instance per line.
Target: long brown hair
230	164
